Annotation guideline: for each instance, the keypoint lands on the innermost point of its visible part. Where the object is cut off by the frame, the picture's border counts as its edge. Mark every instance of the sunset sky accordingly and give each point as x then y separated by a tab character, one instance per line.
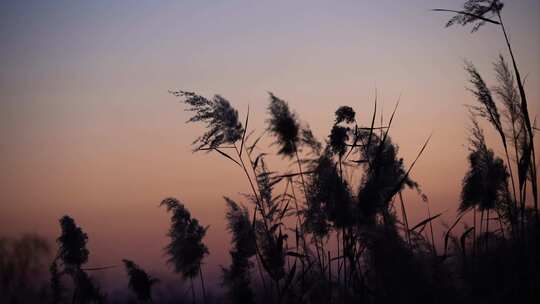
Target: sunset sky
88	128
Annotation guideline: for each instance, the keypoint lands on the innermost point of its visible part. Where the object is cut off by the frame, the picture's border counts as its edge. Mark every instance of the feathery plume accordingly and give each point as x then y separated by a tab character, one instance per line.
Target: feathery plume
220	117
284	125
476	12
186	249
139	281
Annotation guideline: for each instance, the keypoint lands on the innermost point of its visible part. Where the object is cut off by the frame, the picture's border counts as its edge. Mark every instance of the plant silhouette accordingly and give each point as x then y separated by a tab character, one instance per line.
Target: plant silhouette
72	254
236	278
139	281
72	244
186	249
21	261
486	183
482	12
220	118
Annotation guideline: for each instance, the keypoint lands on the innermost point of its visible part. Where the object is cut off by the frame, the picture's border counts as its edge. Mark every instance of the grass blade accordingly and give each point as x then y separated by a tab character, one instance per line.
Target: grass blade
447	234
245	130
465	13
227	156
424	222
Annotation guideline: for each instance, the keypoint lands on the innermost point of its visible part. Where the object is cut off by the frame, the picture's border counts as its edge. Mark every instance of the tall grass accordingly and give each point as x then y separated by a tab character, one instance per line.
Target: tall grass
479	13
304	271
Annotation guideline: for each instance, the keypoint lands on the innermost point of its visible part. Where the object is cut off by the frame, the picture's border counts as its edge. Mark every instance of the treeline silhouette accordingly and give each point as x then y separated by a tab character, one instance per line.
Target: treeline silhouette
328	239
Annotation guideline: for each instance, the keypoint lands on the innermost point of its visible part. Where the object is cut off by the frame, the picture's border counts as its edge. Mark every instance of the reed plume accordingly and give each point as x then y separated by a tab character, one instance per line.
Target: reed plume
139	281
221	119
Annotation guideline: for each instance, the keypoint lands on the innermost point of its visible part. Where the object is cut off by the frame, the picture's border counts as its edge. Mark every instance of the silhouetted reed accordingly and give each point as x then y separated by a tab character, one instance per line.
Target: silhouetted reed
331	200
139	281
289	135
186	249
496	273
480	12
284	125
330	206
236	278
476	12
485	186
220	118
72	254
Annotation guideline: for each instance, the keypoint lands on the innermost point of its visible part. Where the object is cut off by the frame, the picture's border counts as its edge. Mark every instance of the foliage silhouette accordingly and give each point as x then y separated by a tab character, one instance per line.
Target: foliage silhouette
236	278
72	244
220	118
384	172
186	249
330	198
475	12
21	261
284	125
139	281
495	273
72	253
486	183
345	114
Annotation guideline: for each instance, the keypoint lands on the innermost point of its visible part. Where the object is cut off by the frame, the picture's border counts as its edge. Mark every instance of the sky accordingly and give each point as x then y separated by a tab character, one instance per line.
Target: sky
88	128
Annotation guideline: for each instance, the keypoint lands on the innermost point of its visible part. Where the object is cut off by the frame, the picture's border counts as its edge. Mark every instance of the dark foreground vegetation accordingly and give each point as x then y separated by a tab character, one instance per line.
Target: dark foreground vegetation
337	231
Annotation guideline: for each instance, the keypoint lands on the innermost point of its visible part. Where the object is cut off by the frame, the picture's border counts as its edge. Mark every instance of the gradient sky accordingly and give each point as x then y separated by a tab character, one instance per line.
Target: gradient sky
87	127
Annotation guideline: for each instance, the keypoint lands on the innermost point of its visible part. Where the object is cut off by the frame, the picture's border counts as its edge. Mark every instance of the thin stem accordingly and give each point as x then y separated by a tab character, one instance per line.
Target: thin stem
501	225
74	298
487	231
202	284
192	290
431	230
405	221
300	235
301	173
330	275
261	274
514	213
481	223
510	169
344	249
525	113
339	262
260	204
247	175
474	231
